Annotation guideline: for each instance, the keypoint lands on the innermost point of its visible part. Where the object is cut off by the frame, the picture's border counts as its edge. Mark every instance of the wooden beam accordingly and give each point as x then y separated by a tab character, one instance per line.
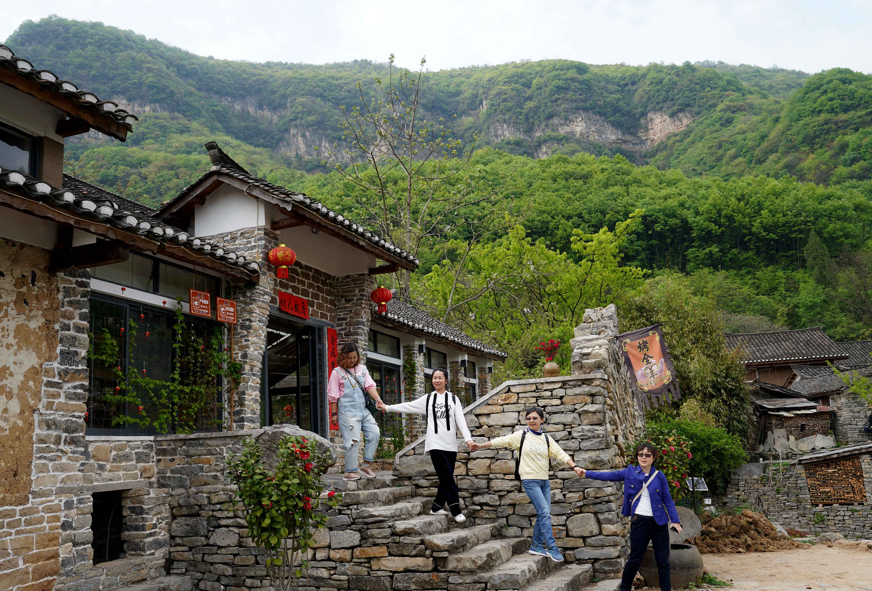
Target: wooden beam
71	127
103	123
132	239
285	223
176	209
103	252
392	268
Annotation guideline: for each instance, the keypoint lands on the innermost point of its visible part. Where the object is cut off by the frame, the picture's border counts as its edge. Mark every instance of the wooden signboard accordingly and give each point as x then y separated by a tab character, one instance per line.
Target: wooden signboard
294	305
226	310
201	303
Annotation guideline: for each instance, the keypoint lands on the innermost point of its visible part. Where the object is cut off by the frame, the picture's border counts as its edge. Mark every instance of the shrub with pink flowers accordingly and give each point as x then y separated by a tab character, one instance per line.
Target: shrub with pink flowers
549	348
281	506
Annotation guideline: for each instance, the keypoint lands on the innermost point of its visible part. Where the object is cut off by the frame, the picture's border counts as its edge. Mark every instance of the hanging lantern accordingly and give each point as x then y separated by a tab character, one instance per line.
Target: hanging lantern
381	296
282	257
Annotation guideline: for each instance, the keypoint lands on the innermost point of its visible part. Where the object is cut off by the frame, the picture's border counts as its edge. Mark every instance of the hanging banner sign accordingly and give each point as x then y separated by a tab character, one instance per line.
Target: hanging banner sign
332	363
647	359
200	303
226	310
293	305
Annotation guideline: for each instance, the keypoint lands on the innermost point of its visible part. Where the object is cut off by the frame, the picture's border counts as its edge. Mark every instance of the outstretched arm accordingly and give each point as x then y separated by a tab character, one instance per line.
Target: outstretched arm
611	476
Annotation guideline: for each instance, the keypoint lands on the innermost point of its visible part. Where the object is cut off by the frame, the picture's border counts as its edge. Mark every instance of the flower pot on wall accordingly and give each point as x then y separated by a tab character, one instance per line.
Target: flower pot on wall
686	564
551	369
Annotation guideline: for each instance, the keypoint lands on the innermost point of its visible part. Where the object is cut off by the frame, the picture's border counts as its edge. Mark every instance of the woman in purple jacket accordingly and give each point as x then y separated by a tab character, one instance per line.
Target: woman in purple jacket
648	502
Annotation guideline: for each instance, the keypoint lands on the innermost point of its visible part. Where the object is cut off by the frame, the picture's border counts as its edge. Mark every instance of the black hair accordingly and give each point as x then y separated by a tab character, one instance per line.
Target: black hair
444	373
538	410
346	350
650	447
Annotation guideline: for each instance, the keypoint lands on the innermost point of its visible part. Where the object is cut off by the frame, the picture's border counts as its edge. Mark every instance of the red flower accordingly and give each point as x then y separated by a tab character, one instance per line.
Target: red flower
304	455
677	485
690	455
308	467
119	368
664	452
307	499
684	475
331	494
307	506
671	448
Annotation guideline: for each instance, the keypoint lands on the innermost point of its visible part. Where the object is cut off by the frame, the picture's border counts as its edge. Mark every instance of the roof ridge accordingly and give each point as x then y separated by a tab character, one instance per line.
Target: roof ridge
821	328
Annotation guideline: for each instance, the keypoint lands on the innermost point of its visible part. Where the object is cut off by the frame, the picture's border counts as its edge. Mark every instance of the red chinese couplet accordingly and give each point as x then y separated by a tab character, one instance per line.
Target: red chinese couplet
332	362
293	304
200	303
226	310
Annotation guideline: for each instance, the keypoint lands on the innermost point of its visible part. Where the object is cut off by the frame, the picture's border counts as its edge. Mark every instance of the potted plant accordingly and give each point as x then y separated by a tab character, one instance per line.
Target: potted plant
549	348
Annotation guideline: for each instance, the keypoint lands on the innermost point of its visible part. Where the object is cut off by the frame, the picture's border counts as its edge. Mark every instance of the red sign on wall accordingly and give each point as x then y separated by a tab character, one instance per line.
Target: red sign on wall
332	362
200	303
293	305
226	310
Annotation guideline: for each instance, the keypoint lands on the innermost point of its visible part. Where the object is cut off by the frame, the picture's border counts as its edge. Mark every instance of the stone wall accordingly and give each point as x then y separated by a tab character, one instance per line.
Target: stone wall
799	426
850	413
353	310
591	414
780	490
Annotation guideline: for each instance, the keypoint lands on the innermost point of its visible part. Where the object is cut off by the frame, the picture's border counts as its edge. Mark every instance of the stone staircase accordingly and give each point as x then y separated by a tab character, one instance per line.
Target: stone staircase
435	553
173	583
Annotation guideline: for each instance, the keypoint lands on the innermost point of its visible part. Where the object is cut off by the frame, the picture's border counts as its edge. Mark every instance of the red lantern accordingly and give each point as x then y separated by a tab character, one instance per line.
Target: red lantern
381	296
282	257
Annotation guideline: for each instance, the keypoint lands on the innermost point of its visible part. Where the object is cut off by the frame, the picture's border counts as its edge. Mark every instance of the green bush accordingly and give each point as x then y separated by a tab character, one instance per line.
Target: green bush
716	453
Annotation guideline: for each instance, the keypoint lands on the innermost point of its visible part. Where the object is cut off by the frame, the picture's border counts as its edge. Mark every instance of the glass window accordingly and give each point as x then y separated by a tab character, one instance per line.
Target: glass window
175	282
145	344
387	380
136	272
435	359
18	151
384	344
471	372
287	395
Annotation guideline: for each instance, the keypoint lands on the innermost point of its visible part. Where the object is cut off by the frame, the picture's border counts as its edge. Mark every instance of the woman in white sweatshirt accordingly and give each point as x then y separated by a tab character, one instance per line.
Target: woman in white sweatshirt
444	414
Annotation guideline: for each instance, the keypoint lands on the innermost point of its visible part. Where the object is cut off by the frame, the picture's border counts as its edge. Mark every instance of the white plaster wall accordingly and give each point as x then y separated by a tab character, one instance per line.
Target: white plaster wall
229	209
29	114
326	253
27	229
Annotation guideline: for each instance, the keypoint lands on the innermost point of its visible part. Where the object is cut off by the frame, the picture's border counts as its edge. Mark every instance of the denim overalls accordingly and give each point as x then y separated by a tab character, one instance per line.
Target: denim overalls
353	418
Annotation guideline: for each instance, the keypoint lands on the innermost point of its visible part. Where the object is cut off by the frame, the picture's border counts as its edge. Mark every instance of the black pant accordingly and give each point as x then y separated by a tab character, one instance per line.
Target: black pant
644	530
443	462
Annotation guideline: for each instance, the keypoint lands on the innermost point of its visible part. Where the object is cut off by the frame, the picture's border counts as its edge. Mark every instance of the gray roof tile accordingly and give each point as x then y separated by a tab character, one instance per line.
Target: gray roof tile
785	346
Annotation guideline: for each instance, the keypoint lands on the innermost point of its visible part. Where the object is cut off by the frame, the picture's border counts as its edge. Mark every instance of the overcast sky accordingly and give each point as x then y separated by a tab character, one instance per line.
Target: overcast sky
809	35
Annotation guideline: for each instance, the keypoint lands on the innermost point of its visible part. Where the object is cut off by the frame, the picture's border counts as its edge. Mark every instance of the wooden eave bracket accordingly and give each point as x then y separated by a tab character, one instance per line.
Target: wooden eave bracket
102	123
391	268
72	126
97	254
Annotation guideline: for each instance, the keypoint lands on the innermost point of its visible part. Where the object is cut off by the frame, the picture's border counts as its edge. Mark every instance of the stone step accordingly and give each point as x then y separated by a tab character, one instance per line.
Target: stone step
517	573
338	483
461	539
172	583
604	585
379	497
425	525
572	577
484	556
402	510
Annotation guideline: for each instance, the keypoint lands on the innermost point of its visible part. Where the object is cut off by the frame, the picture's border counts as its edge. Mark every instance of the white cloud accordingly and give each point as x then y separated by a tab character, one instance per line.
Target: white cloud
804	34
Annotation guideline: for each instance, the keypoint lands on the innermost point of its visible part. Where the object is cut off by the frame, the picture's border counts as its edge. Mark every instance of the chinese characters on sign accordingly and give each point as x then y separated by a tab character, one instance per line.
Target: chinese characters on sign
226	310
200	303
293	305
647	359
332	362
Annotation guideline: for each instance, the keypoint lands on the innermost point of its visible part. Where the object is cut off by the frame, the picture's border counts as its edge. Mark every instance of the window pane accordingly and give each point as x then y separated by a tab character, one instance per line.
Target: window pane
370	342
176	282
436	359
387	345
15	151
136	272
391	384
107	320
470	370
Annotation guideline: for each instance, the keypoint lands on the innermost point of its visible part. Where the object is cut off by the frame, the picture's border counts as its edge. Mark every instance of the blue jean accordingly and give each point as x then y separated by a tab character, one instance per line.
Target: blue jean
351	425
539	492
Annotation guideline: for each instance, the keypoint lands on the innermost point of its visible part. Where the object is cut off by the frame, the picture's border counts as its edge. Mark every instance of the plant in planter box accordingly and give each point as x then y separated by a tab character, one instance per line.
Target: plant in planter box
281	506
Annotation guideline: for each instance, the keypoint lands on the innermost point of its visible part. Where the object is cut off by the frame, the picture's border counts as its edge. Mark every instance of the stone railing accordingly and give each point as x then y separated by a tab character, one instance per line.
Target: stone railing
591	414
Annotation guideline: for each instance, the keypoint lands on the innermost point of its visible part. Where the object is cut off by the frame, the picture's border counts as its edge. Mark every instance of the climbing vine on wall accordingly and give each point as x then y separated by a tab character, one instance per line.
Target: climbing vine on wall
181	403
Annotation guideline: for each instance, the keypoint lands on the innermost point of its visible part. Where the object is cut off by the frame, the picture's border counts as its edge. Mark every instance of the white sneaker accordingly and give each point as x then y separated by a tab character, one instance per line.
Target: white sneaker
460	518
439	512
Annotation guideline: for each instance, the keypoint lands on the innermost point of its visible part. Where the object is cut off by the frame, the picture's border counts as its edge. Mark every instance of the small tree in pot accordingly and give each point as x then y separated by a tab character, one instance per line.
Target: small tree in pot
281	506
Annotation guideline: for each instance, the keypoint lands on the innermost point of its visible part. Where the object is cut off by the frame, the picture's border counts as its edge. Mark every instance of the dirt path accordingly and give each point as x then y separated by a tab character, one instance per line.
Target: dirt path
818	568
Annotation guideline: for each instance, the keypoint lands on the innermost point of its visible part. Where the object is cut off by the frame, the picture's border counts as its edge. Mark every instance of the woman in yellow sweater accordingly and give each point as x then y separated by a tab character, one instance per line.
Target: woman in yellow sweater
535	450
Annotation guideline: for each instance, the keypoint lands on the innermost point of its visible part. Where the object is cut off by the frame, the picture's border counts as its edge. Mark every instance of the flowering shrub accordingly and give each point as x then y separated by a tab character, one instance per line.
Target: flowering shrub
549	348
281	507
673	459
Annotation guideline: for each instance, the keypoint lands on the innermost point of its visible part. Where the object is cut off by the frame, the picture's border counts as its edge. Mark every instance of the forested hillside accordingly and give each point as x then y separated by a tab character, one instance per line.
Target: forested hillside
746	187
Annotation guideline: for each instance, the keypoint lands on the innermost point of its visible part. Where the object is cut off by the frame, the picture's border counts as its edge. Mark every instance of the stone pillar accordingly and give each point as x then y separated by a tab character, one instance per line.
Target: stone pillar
249	346
353	310
484	381
456	383
413	384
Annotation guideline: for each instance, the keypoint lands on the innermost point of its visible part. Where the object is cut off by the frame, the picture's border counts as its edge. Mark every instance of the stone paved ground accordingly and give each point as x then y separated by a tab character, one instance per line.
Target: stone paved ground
818	568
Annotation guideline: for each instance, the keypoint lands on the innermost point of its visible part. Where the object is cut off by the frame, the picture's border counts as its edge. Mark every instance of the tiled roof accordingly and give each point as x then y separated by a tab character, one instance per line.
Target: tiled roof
786	404
113	210
401	313
839	452
860	352
820	380
785	346
49	80
222	163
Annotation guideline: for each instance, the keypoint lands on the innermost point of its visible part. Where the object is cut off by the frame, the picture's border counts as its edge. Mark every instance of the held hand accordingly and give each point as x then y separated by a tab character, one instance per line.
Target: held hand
472	445
580	471
380	405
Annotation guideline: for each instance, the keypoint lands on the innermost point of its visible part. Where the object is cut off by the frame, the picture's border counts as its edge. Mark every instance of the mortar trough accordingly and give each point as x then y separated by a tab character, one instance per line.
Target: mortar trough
686	564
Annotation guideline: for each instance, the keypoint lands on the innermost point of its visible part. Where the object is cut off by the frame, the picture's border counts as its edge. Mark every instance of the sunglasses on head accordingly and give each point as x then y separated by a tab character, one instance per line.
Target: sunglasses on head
643	455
